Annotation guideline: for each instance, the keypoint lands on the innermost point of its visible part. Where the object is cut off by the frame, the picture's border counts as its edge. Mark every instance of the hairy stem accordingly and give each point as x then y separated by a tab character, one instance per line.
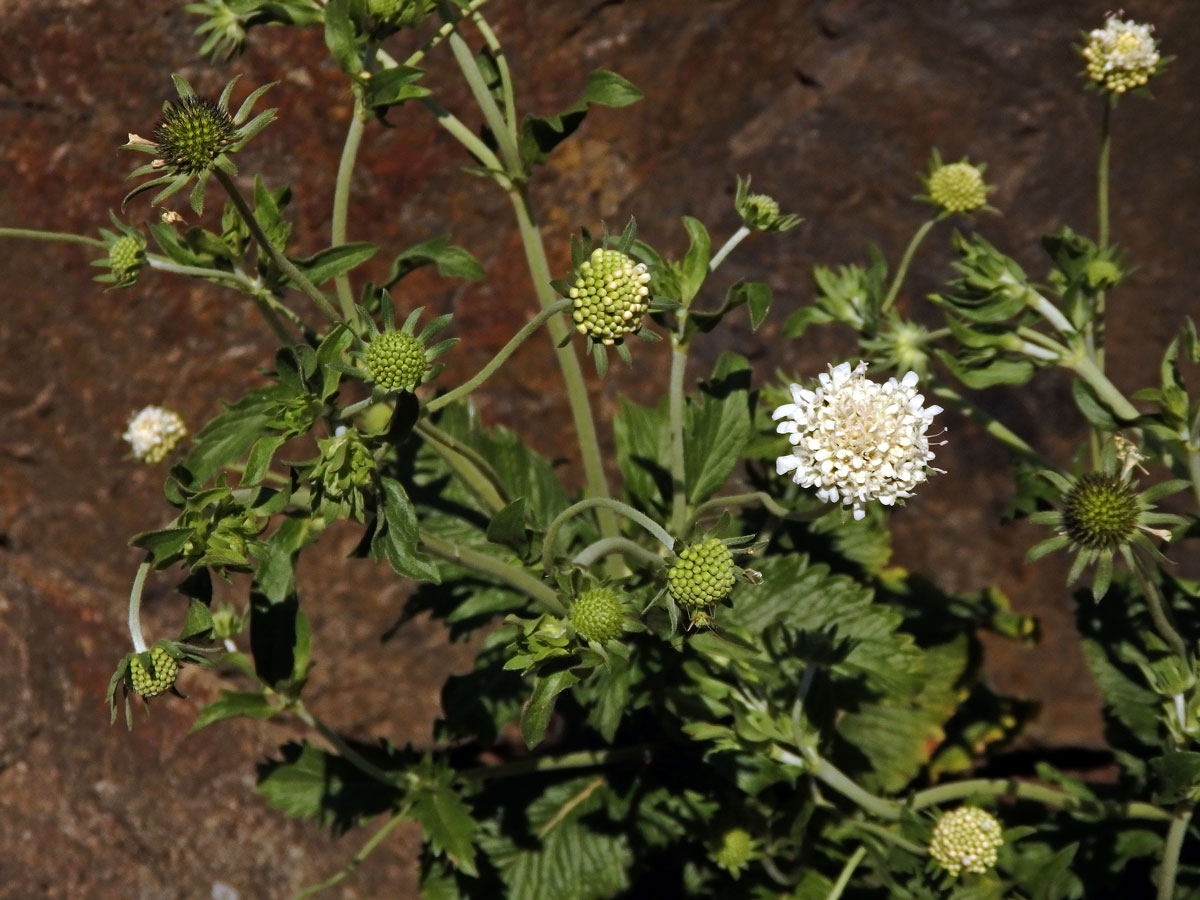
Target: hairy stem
135	608
615	506
1083	366
734	239
440	35
905	261
1171	849
498	360
341	206
846	874
285	265
514	577
61	237
345	872
622	545
1159	614
468	464
487	104
1025	790
675	423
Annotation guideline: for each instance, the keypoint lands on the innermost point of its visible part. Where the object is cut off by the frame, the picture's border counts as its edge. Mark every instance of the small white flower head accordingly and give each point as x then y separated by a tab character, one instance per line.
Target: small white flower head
1122	55
856	440
965	839
154	432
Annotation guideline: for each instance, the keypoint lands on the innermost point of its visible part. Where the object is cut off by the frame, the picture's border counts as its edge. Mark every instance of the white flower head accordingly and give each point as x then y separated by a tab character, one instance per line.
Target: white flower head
856	440
1122	55
154	432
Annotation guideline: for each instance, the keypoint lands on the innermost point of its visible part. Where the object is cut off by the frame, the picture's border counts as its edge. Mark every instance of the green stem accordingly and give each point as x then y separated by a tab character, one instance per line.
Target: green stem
1083	366
675	424
1102	170
285	265
1039	346
468	464
581	759
1025	790
440	35
847	872
734	239
595	481
135	608
487	105
1171	849
905	261
466	137
1159	614
498	360
768	502
61	237
1040	304
351	755
342	874
615	506
987	421
622	545
341	206
506	85
832	776
516	578
1193	462
890	836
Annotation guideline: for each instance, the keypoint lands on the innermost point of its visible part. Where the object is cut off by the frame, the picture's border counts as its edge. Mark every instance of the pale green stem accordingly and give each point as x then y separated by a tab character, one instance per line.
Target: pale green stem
1171	850
580	759
348	753
846	874
465	136
284	264
1083	366
832	776
766	500
516	578
341	206
621	545
342	874
61	237
675	423
506	85
905	261
615	506
487	104
988	422
585	427
1040	305
348	412
135	608
1160	615
498	360
734	239
1193	461
890	836
475	471
442	33
1025	790
1096	334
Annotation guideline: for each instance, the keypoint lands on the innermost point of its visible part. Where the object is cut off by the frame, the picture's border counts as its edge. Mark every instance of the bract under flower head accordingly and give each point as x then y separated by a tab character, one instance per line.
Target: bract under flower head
855	440
1122	55
154	432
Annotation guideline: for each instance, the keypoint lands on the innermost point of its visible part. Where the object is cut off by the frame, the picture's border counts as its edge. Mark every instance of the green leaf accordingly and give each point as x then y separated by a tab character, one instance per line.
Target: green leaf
716	428
259	461
695	262
508	527
540	135
341	37
643	444
276	575
1093	410
446	819
233	704
451	261
1178	776
391	87
535	715
199	620
398	539
334	261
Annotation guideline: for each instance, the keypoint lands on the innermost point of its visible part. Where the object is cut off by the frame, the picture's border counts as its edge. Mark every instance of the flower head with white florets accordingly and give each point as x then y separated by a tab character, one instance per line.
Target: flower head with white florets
154	432
1122	55
856	440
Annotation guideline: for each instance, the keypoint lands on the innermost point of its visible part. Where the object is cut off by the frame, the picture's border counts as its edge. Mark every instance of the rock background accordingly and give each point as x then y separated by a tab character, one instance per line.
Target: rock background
832	106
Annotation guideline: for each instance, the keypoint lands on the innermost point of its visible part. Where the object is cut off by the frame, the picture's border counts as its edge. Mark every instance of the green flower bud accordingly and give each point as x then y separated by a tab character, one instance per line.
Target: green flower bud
610	296
1101	511
957	187
598	614
159	678
1102	274
735	852
194	132
125	259
703	575
396	361
965	839
759	211
400	13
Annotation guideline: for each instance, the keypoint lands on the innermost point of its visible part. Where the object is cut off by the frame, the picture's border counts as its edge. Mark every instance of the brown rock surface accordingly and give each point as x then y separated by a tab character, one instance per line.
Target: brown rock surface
832	106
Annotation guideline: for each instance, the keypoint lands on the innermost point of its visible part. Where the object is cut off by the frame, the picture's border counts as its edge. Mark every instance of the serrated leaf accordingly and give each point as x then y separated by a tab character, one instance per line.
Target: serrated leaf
446	819
1178	776
535	715
398	538
643	444
508	527
717	426
199	620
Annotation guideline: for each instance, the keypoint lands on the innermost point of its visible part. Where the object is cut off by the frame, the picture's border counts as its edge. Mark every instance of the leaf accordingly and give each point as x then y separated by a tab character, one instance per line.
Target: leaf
540	135
643	444
446	819
398	539
451	261
232	705
1093	410
276	575
199	619
334	261
391	87
259	461
695	262
535	715
1178	776
341	37
508	527
716	428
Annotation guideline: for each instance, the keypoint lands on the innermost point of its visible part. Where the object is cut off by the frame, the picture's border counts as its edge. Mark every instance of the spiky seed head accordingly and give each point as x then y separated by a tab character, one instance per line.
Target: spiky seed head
159	678
703	575
1101	511
611	295
396	361
597	614
965	839
193	132
735	851
957	187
